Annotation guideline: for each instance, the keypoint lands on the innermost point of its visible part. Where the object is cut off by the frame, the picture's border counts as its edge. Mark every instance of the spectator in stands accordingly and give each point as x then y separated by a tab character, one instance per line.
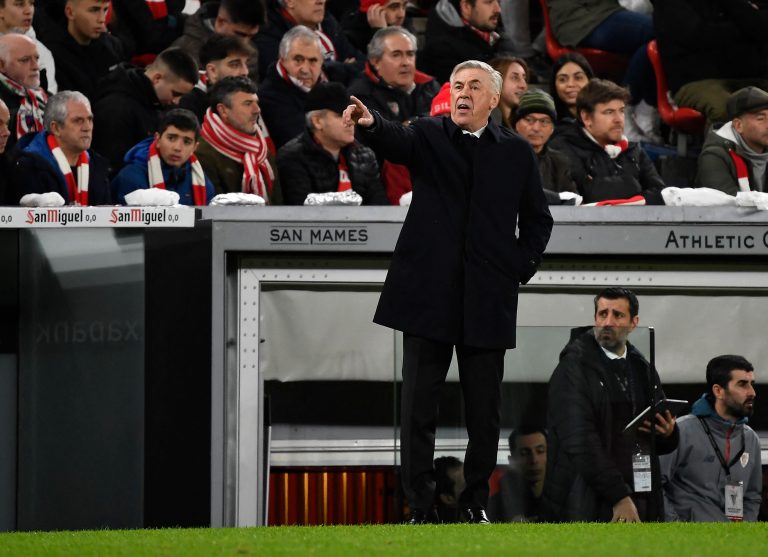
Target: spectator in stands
701	473
16	17
604	164
6	192
605	25
20	85
128	105
569	75
597	388
360	25
449	483
59	159
734	157
459	30
710	48
83	50
167	161
148	26
233	150
342	61
220	56
514	72
391	84
288	81
241	18
394	87
326	157
534	120
521	487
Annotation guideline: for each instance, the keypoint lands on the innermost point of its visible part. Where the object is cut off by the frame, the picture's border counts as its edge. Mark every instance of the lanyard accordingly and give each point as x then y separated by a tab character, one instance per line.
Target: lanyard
627	386
726	466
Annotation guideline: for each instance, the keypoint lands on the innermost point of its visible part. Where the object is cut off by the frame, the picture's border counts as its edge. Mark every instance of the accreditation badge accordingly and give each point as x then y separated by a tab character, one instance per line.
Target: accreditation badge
734	500
641	471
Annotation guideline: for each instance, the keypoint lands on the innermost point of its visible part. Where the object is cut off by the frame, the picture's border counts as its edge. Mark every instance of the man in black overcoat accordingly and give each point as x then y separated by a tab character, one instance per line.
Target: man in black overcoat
456	270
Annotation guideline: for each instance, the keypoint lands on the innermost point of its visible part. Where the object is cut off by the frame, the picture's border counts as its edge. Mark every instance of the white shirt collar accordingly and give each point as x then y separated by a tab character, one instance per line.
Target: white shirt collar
477	133
613	355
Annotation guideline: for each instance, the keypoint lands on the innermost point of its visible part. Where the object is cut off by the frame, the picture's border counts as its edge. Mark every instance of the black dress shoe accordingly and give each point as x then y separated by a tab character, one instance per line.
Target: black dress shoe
419	516
476	515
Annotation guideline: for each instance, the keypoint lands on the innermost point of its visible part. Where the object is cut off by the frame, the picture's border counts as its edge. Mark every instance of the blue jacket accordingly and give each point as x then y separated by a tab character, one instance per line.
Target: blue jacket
36	171
135	175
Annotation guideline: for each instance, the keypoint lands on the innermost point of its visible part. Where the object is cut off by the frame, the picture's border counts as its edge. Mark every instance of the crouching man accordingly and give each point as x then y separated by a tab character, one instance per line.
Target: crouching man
167	161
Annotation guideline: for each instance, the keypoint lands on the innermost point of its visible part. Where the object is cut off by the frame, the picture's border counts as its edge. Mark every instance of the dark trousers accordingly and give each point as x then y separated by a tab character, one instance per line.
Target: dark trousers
425	365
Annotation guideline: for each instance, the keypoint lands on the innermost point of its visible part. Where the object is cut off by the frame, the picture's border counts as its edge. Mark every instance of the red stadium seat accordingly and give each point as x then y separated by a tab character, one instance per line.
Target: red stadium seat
604	63
685	120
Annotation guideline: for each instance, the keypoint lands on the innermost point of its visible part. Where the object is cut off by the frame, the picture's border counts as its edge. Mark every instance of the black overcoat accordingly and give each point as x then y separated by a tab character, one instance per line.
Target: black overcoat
458	263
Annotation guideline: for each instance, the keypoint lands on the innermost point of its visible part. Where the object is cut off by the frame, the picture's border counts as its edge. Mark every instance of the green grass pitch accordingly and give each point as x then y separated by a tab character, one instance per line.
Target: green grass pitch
508	540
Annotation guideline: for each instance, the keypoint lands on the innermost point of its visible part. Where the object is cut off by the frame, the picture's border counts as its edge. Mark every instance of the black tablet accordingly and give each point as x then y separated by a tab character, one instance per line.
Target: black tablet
676	407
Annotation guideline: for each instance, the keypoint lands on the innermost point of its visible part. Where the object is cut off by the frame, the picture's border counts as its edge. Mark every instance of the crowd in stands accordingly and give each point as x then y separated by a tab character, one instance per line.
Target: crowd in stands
257	88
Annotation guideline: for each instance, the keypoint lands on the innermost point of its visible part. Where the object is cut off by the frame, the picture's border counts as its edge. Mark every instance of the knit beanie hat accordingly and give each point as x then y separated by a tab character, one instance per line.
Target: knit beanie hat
327	95
441	103
748	99
535	101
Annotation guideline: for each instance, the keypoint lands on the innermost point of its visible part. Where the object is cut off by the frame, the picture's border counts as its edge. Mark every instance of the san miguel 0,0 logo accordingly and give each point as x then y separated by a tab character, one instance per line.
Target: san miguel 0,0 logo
146	216
62	217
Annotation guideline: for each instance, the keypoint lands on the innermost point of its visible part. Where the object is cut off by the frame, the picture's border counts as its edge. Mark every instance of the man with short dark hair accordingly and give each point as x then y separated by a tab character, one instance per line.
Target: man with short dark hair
167	161
534	120
474	232
734	157
605	165
233	149
20	85
459	30
83	50
341	61
238	18
130	100
715	475
520	489
220	56
596	472
326	157
59	159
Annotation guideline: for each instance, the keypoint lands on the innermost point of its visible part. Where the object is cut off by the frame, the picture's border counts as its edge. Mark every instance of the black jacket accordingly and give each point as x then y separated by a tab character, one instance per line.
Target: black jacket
126	111
458	263
356	29
711	39
599	177
34	172
78	67
136	26
305	167
268	43
555	172
282	107
447	44
589	460
391	103
197	101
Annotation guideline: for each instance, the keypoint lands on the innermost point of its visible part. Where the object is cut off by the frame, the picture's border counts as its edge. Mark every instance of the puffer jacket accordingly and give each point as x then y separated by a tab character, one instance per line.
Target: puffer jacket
305	167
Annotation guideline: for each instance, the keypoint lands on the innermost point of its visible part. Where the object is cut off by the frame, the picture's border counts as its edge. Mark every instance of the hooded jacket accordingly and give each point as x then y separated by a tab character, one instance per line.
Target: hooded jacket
135	176
198	28
448	41
589	466
126	111
694	479
716	167
305	167
36	171
599	177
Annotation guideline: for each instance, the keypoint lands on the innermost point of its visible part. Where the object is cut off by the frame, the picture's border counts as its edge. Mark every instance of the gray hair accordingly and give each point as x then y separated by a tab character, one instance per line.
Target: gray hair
299	32
5	44
376	46
495	76
56	109
311	114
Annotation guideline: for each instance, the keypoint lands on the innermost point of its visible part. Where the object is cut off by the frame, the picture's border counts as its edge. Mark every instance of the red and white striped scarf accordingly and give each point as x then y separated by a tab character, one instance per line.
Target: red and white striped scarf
158	8
488	36
344	181
742	171
156	180
326	44
249	150
77	189
29	117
